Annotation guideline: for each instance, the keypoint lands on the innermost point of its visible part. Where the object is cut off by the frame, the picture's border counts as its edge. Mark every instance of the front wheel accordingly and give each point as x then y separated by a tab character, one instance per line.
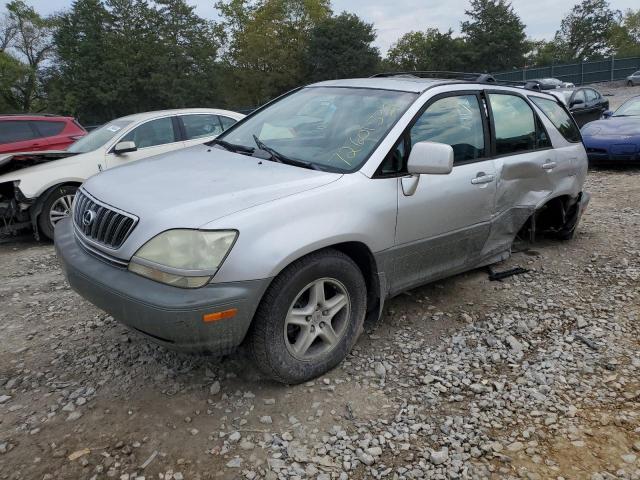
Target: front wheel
629	83
309	318
56	207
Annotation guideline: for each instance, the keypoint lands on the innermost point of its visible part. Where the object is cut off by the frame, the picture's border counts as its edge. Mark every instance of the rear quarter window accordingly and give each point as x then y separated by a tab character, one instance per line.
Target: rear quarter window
559	117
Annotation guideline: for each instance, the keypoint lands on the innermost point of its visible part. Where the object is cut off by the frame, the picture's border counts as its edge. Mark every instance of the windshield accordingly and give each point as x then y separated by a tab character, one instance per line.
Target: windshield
98	137
329	127
629	108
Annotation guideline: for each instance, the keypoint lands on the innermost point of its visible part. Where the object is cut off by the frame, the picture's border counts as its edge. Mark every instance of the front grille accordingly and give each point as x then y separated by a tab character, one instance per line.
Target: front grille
101	223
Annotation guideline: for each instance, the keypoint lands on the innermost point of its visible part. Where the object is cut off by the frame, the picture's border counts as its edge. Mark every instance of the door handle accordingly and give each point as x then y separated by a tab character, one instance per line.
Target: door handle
549	165
480	179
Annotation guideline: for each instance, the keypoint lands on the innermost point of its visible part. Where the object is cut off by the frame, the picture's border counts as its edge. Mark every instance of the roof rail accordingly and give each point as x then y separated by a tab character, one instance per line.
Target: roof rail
469	76
466	76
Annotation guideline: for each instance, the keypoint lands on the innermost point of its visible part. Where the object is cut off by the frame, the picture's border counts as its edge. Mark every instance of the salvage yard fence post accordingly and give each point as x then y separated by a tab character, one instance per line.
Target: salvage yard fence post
594	71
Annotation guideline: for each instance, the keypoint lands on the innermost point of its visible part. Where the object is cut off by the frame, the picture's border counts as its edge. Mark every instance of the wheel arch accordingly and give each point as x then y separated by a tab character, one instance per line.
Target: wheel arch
552	215
364	258
36	208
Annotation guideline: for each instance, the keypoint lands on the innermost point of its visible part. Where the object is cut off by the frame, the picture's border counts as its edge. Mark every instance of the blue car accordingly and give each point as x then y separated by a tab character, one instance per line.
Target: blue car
616	137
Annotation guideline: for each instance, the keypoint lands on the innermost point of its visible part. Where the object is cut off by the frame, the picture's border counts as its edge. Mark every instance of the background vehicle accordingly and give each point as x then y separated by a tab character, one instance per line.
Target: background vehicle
30	133
285	232
551	83
633	79
585	104
616	138
40	195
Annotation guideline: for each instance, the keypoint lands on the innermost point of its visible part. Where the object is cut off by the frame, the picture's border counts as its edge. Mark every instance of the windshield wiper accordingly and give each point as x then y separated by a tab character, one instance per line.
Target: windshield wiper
232	147
281	158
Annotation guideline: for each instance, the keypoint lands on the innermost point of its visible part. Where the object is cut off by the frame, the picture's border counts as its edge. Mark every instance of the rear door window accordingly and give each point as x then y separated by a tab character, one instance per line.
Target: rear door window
48	128
559	117
16	131
514	124
198	126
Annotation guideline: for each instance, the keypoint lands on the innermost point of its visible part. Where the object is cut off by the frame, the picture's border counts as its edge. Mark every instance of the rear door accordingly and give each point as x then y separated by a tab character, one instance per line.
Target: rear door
51	134
18	136
152	137
524	160
443	222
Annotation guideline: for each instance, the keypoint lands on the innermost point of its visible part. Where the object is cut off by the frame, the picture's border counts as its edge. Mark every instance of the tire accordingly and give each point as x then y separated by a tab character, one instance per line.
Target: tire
629	83
57	202
281	327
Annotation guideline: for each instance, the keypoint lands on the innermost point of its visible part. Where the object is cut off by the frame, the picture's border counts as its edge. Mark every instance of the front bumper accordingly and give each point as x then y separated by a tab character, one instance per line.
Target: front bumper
168	315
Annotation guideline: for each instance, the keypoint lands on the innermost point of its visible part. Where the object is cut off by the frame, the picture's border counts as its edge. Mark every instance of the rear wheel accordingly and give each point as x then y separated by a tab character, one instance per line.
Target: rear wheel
309	318
56	207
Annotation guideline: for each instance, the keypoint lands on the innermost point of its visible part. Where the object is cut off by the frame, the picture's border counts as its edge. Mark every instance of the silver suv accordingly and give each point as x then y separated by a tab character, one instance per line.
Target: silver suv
297	223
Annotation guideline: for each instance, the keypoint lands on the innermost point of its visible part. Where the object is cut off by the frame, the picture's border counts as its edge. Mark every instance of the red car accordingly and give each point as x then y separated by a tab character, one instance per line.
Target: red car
32	133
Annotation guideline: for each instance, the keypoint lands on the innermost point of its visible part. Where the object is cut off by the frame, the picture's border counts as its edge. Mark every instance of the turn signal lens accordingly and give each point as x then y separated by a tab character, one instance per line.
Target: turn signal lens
214	317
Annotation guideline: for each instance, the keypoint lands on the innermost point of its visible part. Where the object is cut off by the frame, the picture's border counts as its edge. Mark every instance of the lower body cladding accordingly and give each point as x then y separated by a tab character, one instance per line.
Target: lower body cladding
170	316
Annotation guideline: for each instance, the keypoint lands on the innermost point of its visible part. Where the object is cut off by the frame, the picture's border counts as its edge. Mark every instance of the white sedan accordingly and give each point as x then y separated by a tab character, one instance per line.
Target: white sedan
40	186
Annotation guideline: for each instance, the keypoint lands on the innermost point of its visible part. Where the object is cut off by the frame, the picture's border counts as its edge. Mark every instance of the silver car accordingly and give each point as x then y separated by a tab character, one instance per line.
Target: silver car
633	79
296	224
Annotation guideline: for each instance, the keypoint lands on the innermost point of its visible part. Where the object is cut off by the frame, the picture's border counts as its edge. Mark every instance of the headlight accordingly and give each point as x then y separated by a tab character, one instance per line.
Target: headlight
183	258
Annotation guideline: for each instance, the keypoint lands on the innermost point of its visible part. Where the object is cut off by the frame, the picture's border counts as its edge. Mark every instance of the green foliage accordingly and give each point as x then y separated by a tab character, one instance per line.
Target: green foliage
12	74
584	33
428	50
342	47
625	36
116	57
102	59
25	38
267	46
494	36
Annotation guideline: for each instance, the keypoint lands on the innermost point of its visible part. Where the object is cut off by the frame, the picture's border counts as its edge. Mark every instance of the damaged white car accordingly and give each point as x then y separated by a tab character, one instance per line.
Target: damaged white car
37	188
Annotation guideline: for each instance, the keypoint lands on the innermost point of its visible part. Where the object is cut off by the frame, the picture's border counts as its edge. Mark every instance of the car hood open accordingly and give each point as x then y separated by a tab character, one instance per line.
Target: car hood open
191	187
612	127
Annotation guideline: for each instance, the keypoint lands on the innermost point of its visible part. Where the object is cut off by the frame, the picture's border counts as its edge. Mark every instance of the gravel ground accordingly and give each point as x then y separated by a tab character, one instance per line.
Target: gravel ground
534	377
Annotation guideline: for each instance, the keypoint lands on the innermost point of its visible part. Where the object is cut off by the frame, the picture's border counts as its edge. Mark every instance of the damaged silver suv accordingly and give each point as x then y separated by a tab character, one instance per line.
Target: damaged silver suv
297	223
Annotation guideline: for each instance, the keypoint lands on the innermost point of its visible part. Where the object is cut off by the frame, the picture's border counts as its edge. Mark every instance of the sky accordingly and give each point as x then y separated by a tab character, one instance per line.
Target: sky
394	18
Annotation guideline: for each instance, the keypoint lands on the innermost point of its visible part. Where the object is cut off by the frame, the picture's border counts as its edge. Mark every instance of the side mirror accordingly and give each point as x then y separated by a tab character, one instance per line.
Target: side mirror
577	103
607	114
124	147
430	158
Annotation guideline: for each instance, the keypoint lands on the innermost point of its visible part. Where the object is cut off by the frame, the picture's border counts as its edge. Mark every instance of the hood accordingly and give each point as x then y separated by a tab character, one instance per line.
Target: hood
613	126
16	165
194	186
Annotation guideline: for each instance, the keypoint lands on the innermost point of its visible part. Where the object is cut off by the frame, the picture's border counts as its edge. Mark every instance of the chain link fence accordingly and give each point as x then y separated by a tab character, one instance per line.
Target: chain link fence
607	70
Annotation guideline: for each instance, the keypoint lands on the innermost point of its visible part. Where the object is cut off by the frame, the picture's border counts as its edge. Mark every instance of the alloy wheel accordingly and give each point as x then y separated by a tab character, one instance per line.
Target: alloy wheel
317	319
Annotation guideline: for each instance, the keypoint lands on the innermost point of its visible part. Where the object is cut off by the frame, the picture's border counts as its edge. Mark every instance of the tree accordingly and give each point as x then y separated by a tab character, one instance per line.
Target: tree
26	36
116	57
494	36
267	45
341	47
624	38
584	33
428	50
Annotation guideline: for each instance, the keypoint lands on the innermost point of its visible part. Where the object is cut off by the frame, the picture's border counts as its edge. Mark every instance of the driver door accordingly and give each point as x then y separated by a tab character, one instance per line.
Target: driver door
442	226
152	137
